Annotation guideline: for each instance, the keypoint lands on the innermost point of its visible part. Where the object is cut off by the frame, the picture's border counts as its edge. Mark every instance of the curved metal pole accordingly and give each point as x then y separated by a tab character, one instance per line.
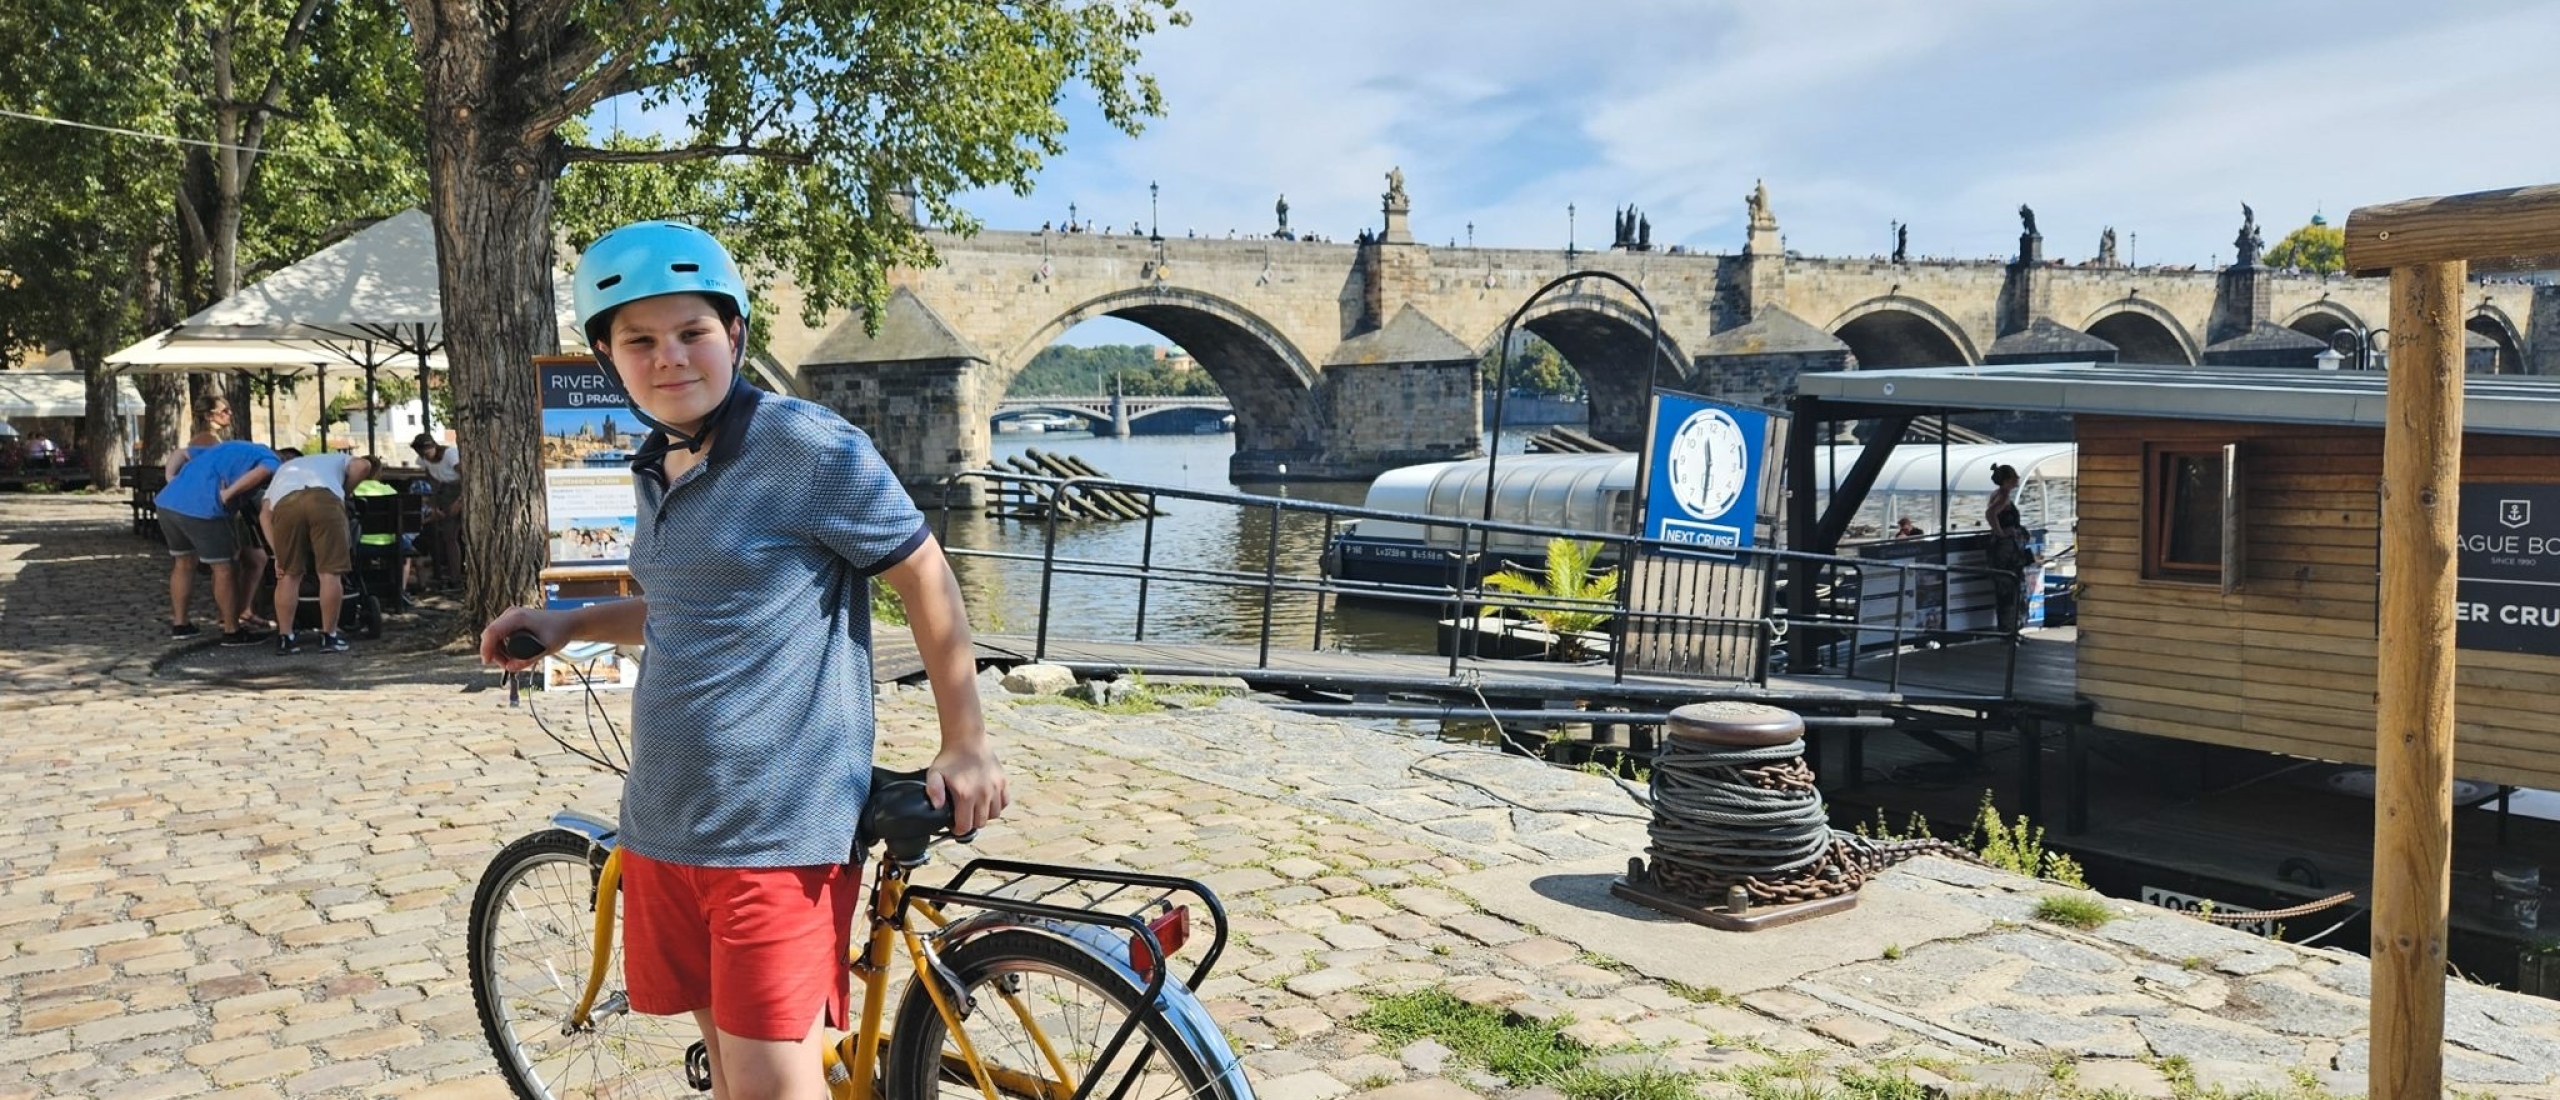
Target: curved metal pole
1493	457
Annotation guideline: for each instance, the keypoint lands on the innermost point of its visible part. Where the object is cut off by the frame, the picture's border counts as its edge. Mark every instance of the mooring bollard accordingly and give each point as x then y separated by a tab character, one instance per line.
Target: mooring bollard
1739	837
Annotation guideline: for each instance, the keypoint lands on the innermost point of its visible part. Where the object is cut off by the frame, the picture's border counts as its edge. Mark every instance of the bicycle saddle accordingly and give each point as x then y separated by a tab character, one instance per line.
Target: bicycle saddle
898	814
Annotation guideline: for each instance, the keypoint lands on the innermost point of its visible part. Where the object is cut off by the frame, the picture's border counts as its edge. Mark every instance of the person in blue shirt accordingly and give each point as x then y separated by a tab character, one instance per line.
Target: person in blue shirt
762	522
195	519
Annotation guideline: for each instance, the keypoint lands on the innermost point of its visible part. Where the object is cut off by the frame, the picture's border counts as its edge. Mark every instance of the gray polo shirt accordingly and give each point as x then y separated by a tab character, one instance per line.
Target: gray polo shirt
751	725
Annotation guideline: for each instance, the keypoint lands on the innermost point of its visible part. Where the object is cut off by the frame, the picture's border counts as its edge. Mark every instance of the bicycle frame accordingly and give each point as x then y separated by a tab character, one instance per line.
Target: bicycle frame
852	1061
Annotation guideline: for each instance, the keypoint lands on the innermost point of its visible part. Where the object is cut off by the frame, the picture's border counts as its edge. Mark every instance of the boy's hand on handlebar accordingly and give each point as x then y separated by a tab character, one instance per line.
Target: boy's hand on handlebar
542	626
970	782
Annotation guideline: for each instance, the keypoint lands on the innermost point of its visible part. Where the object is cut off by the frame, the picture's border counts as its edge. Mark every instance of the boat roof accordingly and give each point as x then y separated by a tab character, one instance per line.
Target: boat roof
1617	471
2492	404
1913	467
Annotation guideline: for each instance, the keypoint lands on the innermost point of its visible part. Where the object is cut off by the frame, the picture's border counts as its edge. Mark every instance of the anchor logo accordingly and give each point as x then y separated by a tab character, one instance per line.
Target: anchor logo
2515	513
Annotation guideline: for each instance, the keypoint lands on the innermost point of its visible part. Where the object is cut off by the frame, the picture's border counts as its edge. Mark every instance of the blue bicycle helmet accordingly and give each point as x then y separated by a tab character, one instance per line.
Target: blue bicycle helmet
645	260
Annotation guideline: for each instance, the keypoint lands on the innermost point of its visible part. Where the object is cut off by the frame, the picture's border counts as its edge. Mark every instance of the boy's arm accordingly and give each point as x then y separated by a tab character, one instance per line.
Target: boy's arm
965	774
622	622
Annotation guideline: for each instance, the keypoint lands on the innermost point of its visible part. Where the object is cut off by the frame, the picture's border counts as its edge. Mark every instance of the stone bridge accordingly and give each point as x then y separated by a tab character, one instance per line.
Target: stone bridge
1343	360
1118	415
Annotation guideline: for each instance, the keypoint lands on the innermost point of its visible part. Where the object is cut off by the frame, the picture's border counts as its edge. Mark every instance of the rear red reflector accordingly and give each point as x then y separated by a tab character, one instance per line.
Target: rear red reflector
1171	930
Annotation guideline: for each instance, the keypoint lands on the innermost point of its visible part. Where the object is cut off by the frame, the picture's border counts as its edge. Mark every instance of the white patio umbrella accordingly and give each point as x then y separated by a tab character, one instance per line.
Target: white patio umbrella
367	300
162	353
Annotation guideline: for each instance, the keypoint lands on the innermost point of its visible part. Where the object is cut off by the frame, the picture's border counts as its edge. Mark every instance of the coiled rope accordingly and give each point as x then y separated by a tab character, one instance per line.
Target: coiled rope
1727	816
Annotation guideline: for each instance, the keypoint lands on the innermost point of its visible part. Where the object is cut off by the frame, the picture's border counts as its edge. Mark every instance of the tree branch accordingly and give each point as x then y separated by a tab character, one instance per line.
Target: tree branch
575	153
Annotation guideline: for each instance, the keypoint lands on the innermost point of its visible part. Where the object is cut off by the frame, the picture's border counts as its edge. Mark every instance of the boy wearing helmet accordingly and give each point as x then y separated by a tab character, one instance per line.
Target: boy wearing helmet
762	521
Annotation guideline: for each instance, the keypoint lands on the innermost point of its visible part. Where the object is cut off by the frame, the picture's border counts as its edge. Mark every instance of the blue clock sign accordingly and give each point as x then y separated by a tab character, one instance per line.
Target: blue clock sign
1704	488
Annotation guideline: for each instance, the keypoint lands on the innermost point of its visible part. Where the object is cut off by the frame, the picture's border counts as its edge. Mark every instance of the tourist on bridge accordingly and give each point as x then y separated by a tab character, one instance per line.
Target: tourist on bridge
757	615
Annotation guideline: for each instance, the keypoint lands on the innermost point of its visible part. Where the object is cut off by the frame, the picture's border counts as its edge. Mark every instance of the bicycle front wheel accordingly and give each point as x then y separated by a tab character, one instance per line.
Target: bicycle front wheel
533	928
1039	1011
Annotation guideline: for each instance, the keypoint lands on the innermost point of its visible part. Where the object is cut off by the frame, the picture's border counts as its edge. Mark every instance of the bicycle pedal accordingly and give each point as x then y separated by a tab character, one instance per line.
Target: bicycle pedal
697	1067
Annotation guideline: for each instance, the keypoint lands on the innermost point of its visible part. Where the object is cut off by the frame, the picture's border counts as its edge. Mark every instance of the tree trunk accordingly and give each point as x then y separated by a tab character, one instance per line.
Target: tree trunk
102	428
163	395
492	187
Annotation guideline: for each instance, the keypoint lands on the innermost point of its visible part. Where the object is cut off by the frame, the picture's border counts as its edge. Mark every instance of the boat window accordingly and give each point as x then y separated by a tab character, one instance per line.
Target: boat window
2184	512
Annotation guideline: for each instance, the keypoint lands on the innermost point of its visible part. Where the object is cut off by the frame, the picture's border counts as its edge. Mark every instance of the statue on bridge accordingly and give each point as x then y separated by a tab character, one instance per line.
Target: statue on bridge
2249	243
2027	215
2107	247
1902	244
1758	201
1282	209
1395	189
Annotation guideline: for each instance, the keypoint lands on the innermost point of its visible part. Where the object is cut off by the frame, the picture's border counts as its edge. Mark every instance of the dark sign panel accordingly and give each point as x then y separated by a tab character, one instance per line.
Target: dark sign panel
2508	597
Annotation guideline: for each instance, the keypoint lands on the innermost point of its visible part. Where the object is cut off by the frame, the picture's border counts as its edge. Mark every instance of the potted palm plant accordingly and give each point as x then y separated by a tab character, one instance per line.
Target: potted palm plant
1568	579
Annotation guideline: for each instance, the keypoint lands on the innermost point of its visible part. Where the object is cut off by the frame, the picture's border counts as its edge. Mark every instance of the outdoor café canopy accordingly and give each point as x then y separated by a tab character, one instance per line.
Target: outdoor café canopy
377	286
371	301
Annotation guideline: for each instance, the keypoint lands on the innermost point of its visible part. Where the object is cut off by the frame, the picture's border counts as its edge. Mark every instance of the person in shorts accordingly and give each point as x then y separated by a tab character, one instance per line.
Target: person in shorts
307	529
195	520
443	467
763	522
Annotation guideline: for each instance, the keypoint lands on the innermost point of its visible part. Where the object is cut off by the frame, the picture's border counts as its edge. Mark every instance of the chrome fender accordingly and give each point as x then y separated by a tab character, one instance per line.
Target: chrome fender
1181	1007
598	831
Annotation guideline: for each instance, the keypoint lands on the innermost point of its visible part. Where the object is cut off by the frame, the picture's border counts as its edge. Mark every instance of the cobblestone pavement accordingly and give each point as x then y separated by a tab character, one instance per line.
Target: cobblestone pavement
248	878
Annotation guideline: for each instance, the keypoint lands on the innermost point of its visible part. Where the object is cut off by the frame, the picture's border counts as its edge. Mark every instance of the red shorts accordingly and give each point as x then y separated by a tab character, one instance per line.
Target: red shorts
762	947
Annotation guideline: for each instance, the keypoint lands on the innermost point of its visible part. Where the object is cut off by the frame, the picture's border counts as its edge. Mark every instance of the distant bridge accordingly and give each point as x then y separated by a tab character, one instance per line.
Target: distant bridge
1177	413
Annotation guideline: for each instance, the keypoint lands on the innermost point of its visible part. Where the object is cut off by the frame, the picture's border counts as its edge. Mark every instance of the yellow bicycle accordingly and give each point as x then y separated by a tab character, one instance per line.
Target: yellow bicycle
1049	983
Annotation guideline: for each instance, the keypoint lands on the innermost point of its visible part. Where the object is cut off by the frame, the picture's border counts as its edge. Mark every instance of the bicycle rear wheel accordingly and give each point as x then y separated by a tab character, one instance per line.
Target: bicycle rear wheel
532	939
1073	1001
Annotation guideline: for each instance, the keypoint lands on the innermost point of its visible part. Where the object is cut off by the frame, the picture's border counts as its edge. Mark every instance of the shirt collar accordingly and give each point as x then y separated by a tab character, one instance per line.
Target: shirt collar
727	435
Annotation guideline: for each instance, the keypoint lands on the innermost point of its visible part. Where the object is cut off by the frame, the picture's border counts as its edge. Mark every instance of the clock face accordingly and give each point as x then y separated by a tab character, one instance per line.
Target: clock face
1707	464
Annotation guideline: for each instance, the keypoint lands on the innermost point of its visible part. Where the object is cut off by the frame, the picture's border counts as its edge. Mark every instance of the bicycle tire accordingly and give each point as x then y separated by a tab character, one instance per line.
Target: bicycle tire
532	940
913	1068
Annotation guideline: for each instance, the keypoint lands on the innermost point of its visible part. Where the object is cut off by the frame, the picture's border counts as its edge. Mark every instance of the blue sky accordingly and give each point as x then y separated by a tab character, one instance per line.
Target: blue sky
2158	119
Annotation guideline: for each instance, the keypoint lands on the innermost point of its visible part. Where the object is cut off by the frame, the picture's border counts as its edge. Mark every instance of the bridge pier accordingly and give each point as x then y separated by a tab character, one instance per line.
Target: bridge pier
1398	395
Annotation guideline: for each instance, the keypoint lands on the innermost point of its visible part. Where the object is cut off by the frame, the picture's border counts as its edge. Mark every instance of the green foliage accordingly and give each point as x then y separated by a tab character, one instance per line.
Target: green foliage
2074	911
1916	828
2020	847
789	129
1060	370
1568	580
2319	249
1524	1053
1536	368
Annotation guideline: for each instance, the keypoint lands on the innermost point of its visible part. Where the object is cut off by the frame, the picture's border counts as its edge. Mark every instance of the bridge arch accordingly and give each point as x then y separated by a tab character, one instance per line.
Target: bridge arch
2143	332
2324	320
1897	331
1265	376
1601	332
2493	322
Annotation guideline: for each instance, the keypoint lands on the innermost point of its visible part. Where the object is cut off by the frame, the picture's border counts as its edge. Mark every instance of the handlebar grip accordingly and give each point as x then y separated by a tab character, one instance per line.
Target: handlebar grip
523	645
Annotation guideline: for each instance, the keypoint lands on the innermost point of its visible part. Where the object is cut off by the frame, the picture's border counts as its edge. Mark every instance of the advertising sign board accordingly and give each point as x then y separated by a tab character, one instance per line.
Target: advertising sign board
2507	596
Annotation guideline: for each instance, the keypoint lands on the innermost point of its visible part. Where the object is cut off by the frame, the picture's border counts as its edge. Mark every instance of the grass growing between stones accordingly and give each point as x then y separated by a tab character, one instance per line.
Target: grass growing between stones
2074	911
1524	1053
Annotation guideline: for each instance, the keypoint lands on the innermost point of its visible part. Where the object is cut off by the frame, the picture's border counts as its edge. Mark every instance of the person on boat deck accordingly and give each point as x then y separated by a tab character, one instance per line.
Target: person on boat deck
1905	529
2009	555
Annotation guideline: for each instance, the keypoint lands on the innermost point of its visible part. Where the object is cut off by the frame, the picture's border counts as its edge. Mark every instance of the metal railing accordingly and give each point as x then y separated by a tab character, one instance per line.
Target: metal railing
1758	619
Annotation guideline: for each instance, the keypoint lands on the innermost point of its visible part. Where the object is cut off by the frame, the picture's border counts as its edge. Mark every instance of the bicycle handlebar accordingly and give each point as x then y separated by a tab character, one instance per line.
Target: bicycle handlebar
523	645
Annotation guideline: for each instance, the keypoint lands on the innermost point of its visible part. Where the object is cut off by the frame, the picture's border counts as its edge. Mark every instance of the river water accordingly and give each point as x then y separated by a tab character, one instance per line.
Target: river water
1004	595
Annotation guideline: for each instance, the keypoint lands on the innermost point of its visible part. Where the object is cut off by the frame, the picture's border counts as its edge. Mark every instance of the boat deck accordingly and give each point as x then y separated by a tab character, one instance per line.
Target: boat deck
1971	676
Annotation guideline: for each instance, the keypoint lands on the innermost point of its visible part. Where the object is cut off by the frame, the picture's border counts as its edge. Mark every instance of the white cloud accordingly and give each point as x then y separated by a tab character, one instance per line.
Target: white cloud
2158	119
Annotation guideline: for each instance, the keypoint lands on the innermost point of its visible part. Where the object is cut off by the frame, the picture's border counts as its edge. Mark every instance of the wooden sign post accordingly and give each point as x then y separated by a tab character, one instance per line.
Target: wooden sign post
2426	245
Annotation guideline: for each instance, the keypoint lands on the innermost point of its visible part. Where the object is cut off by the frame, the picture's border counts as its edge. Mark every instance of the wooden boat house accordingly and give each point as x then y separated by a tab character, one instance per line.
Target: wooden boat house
2227	645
